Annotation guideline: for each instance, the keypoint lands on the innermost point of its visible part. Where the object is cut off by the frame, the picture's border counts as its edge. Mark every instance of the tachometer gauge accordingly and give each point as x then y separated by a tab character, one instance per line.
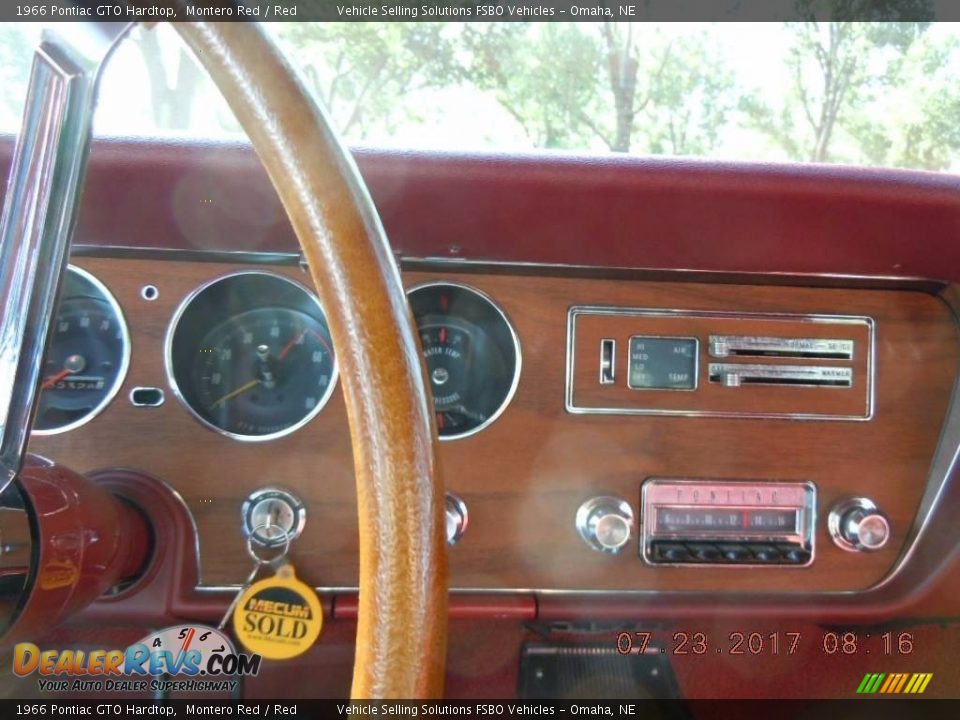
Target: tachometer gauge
250	356
87	355
472	355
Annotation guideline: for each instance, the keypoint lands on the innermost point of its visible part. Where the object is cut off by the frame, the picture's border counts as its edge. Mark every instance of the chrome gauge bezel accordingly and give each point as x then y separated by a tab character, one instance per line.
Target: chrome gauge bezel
175	387
121	377
515	338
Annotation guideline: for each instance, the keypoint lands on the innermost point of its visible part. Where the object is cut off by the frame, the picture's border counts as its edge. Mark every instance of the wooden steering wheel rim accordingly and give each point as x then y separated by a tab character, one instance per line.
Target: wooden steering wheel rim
402	623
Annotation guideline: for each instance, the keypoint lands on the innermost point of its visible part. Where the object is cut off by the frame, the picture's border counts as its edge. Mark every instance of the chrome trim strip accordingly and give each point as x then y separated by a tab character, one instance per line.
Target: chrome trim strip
577	310
742	277
107	296
252	257
444	264
516	348
168	358
39	214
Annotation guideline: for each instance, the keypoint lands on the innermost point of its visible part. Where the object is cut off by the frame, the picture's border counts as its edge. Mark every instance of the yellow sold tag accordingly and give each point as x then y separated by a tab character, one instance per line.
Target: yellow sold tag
279	617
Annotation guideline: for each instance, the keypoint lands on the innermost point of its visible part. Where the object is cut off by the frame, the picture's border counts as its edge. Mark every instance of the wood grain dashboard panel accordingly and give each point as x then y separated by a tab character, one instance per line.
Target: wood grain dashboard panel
525	475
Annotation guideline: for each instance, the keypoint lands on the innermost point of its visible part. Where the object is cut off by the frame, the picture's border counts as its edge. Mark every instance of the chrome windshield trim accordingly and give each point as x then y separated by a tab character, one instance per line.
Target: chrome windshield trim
39	215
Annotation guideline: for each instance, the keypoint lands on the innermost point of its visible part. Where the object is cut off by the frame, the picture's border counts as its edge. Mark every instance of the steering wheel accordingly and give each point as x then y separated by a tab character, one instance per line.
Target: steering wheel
402	623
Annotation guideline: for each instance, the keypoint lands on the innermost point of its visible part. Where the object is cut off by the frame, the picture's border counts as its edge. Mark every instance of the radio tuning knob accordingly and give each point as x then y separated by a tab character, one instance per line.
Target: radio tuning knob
456	516
858	525
605	523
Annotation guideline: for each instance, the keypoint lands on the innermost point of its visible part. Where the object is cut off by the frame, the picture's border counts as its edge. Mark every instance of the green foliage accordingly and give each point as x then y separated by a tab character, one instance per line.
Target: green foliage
879	93
543	75
836	70
361	71
629	86
689	100
915	122
174	79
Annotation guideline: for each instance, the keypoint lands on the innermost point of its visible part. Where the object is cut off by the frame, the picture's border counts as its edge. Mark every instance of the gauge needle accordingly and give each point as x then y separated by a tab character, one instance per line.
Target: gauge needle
289	346
54	379
233	393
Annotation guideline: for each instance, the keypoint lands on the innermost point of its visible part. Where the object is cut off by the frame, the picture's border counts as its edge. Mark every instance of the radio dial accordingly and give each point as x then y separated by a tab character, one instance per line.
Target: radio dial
605	523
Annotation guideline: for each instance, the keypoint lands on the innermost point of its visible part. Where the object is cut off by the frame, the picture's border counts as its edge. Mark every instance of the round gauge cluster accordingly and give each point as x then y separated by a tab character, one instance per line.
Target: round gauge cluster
250	356
87	355
472	356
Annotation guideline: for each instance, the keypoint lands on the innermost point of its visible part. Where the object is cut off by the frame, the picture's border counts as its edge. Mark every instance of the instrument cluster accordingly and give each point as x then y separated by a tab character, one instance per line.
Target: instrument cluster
250	355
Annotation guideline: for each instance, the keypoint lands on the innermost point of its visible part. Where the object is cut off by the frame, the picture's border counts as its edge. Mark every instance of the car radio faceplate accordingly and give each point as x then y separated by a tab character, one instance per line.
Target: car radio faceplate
737	523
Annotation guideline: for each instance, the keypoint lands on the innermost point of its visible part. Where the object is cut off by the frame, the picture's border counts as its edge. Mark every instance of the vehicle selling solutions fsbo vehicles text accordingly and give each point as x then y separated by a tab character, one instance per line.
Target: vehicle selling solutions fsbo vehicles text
481	11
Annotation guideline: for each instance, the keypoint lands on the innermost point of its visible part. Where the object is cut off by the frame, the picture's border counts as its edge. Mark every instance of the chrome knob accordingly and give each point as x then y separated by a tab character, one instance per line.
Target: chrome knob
858	525
605	523
456	512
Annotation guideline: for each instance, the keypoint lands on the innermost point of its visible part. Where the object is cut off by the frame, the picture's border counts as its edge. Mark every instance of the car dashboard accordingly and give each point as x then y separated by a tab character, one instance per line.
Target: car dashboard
618	430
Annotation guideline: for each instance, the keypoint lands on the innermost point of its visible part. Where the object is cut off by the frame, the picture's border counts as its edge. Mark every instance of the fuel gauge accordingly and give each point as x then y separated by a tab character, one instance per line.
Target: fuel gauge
87	355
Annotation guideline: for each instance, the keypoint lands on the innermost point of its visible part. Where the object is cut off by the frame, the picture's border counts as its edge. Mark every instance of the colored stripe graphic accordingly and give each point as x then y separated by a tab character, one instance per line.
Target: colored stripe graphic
903	681
891	679
870	683
894	683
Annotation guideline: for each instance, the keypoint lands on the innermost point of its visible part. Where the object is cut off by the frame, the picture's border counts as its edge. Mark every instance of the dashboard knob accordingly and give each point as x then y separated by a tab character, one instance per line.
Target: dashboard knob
456	512
858	525
605	523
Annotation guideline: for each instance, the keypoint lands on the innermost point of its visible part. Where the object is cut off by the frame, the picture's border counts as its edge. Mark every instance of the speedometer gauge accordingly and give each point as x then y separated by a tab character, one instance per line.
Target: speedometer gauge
87	355
250	356
472	355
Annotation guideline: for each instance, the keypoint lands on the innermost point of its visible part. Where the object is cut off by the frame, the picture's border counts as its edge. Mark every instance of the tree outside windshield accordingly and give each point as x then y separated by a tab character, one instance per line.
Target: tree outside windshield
857	93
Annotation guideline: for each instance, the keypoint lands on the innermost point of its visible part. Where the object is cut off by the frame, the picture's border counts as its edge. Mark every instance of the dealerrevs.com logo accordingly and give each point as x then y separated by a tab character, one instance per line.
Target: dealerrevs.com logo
197	658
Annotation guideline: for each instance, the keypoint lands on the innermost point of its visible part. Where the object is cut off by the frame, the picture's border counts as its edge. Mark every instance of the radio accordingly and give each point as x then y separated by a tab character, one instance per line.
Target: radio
705	522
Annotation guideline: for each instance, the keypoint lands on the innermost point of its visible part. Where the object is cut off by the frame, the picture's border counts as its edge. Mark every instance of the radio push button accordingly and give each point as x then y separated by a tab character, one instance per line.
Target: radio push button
666	552
764	553
736	552
705	552
795	554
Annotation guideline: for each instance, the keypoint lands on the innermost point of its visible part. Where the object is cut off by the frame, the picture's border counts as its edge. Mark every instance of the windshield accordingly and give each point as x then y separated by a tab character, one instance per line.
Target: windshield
857	93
